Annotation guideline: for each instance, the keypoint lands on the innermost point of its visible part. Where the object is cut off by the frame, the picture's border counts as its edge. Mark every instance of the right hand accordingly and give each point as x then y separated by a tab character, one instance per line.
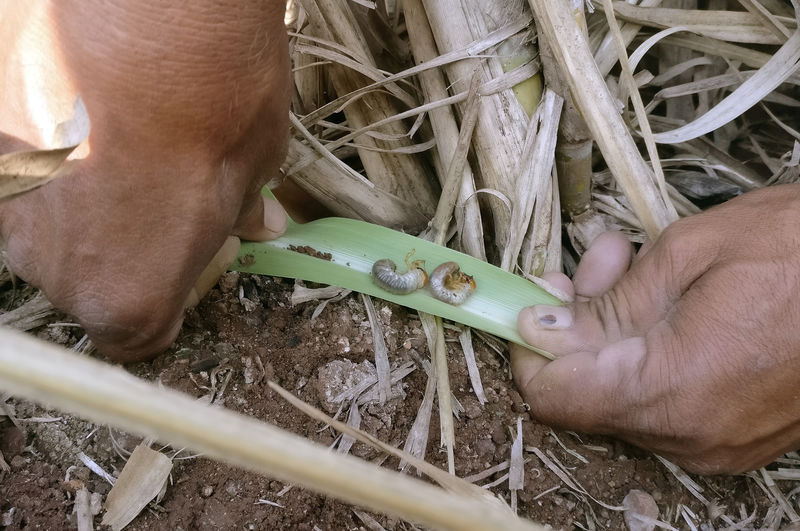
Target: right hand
693	352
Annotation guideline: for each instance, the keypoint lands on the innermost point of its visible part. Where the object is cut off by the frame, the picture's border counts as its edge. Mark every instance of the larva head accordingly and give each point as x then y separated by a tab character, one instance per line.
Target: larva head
468	279
457	280
416	264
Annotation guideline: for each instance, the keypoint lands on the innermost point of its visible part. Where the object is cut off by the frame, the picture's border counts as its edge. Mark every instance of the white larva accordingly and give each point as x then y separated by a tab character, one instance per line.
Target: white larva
385	275
450	285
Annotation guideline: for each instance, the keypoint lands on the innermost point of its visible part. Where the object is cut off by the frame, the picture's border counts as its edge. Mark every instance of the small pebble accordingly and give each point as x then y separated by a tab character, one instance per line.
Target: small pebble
639	502
484	447
498	433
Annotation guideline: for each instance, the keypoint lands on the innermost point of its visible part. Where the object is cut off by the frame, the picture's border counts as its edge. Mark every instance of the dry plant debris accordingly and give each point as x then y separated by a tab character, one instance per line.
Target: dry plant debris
386	98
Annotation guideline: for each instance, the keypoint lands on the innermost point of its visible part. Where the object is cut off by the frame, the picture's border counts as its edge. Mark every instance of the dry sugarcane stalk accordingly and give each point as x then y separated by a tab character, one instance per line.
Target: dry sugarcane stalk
423	47
349	195
46	373
400	175
574	149
577	65
500	130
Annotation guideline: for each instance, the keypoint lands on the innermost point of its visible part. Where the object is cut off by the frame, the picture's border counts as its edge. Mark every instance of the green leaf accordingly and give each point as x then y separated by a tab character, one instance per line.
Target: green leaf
355	245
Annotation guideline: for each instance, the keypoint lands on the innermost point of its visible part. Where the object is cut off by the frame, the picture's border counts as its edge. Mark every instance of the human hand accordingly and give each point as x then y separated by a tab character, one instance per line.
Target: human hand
189	118
693	352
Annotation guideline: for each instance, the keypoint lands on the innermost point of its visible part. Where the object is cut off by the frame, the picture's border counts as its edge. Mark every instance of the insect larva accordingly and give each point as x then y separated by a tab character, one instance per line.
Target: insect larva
385	275
450	285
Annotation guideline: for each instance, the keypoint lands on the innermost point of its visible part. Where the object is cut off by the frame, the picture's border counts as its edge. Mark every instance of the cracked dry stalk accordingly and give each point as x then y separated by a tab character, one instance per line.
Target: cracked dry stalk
401	175
502	121
445	129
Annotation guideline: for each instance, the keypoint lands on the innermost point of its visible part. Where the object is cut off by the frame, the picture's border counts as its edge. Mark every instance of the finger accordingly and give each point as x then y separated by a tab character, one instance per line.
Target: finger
261	219
643	250
218	265
525	364
603	264
561	330
560	285
639	299
586	391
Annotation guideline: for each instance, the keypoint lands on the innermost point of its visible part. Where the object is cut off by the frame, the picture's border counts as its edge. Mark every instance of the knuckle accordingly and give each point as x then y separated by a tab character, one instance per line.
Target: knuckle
679	241
707	465
127	327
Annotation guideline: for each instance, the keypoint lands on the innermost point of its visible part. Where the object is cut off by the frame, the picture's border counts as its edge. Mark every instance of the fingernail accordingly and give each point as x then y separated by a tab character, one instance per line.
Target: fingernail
274	219
551	317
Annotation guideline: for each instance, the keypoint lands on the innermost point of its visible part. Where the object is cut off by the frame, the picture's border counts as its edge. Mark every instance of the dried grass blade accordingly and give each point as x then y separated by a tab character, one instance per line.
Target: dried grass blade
733	52
302	294
140	481
23	171
516	471
82	510
366	70
783	64
770	21
448	437
472	49
361	131
465	338
354	421
641	115
733	26
606	55
791	514
402	175
559	470
369	521
455	169
684	478
417	438
381	352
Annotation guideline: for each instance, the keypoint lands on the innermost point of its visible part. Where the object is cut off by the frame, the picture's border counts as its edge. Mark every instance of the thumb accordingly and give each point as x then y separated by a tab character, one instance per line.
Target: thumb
639	300
585	391
223	258
261	218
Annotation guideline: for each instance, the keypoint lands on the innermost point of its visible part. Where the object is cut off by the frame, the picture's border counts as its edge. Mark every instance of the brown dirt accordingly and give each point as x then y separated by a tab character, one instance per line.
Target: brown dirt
228	336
